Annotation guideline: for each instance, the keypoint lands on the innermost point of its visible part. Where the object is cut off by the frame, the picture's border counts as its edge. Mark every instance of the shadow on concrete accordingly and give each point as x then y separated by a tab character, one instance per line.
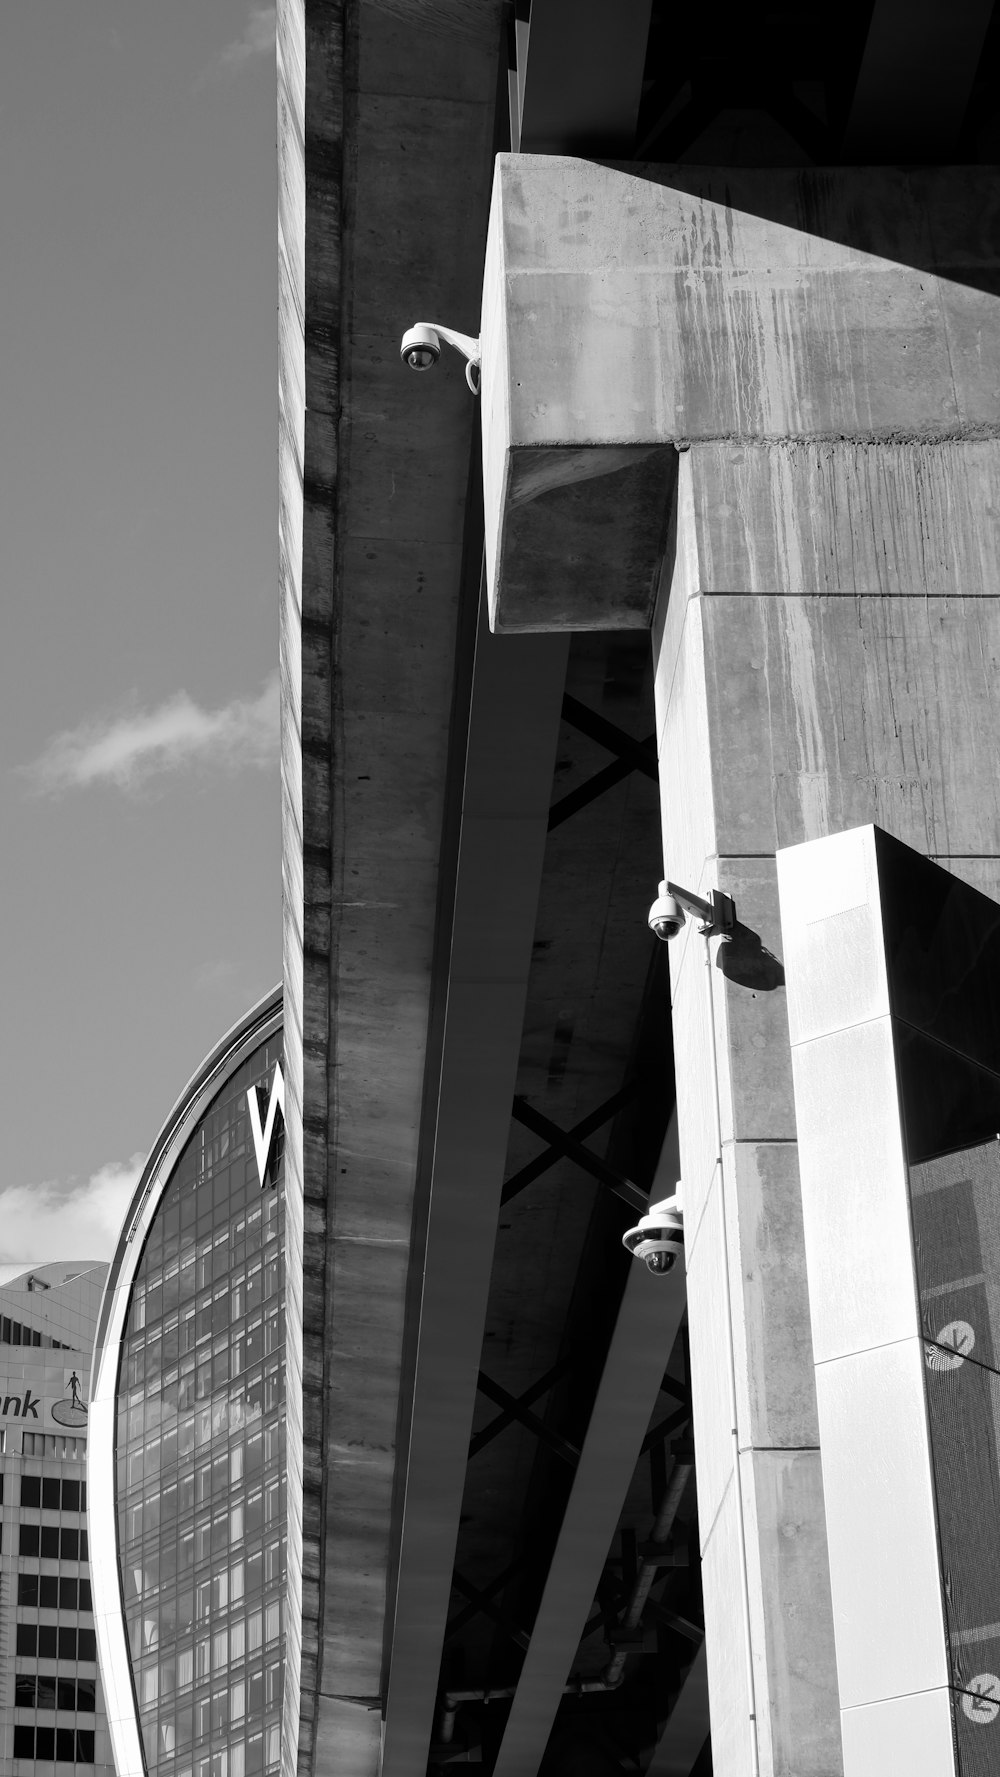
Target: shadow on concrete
744	959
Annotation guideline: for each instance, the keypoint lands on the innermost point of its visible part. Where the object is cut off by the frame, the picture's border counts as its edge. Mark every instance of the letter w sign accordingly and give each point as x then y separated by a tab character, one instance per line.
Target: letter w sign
263	1138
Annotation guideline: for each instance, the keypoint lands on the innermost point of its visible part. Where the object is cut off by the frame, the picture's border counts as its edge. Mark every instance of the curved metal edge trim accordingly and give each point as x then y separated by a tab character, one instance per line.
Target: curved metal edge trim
114	1663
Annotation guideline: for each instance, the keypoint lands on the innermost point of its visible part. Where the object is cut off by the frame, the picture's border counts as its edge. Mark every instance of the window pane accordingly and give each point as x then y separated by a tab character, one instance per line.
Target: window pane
27	1541
46	1641
27	1638
48	1591
24	1743
27	1588
24	1693
50	1494
31	1490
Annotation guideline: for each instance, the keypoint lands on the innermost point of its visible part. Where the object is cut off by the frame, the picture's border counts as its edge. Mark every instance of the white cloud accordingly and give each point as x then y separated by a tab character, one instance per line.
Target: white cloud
128	749
256	39
41	1224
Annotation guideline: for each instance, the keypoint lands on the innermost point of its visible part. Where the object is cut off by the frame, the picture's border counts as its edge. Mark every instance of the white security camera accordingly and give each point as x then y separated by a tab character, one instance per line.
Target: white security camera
717	916
420	348
666	916
659	1238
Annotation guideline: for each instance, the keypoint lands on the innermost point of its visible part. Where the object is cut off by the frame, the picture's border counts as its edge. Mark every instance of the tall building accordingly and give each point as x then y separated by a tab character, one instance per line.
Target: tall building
51	1704
733	476
708	579
187	1461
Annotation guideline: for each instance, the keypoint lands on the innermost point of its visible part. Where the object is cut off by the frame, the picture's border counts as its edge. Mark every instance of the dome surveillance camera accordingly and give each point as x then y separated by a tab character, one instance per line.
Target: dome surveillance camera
420	348
659	1238
666	916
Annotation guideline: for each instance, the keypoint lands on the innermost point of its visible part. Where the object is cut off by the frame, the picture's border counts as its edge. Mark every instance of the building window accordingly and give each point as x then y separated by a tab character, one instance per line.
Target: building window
52	1592
39	1443
47	1641
200	1442
68	1746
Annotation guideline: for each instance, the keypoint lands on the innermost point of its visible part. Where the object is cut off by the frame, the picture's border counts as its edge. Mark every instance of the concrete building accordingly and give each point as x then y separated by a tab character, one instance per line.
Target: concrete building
51	1704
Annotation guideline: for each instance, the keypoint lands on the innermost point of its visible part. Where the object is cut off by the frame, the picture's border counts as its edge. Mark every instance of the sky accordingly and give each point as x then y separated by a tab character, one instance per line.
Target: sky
140	885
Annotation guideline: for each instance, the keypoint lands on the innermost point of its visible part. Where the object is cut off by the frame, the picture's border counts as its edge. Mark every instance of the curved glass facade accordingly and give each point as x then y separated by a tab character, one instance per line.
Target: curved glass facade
199	1415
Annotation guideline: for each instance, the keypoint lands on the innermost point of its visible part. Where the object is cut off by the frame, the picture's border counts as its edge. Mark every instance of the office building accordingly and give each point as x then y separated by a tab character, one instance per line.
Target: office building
708	579
187	1467
51	1704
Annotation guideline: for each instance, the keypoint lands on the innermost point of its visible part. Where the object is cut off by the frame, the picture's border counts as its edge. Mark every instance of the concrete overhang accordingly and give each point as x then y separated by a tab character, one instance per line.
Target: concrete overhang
627	314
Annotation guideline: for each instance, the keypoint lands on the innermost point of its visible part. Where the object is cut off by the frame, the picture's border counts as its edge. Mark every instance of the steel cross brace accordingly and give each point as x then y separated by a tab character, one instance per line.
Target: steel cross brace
563	1145
558	1445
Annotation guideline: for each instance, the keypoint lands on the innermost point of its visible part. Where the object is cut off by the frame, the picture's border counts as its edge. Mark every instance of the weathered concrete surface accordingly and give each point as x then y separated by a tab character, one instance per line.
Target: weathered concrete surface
825	632
618	312
385	130
841	684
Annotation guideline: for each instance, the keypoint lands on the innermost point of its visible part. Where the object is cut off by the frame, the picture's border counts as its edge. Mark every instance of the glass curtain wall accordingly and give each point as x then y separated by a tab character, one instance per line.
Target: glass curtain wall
200	1452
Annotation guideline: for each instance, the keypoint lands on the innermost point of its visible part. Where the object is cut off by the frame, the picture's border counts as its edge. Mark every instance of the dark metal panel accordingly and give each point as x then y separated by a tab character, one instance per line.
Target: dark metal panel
686	1730
579	90
647	1325
513	729
916	79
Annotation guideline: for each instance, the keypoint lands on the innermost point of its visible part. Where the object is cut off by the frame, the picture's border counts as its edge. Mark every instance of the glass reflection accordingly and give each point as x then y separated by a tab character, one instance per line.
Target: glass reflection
200	1454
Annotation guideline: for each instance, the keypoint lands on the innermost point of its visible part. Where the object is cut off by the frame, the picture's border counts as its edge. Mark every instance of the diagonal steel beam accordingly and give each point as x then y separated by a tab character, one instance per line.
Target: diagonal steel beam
650	1315
512	731
638	755
686	1728
595	786
569	1149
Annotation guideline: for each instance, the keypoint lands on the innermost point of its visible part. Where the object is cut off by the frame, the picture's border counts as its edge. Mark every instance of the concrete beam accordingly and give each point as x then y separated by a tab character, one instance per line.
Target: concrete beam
385	139
622	318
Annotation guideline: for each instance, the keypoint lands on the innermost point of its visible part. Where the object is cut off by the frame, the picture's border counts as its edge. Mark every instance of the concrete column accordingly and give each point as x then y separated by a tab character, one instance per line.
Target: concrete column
902	1244
799	373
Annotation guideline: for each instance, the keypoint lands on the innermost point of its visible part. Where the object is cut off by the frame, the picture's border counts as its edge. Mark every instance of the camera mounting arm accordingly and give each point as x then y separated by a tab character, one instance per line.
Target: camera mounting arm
717	914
